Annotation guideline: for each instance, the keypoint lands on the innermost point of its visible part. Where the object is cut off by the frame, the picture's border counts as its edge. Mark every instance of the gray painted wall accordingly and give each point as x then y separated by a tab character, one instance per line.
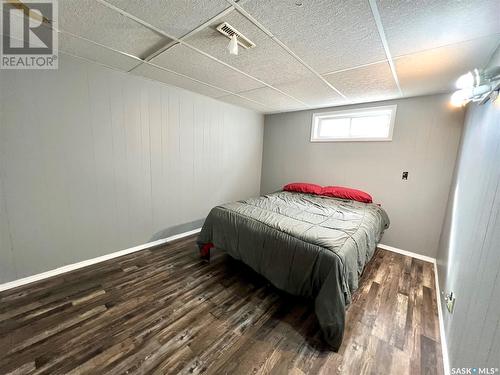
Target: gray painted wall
469	251
94	161
425	142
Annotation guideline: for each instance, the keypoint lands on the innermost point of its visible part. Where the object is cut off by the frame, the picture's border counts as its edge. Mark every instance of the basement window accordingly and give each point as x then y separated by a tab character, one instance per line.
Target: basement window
364	124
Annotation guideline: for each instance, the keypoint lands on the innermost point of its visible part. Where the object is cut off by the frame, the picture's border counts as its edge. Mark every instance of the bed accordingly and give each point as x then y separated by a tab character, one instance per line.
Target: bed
307	245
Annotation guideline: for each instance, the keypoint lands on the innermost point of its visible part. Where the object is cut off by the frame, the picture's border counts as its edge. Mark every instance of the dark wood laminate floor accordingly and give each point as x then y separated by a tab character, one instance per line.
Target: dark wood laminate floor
164	311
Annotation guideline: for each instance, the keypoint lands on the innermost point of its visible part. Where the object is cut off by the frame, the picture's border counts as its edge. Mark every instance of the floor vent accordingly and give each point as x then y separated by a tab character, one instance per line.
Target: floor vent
227	30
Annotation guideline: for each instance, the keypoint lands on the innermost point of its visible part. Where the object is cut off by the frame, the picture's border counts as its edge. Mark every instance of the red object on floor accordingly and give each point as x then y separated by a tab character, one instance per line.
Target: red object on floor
205	250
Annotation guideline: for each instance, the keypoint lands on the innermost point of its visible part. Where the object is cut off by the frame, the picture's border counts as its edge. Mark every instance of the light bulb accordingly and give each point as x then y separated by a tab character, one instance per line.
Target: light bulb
460	98
465	81
233	45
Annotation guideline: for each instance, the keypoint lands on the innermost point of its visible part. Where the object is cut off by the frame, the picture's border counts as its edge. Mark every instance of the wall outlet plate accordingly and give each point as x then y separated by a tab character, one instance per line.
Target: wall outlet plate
450	302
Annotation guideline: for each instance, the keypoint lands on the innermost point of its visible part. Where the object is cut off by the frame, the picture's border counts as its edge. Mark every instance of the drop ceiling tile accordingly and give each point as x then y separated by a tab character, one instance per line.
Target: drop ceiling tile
88	50
161	75
267	61
184	60
328	34
312	91
436	70
241	102
274	99
174	17
94	21
369	83
418	25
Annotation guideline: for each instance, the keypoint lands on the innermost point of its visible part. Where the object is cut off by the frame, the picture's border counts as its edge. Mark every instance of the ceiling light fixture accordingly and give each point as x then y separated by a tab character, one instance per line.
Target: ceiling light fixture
466	80
477	86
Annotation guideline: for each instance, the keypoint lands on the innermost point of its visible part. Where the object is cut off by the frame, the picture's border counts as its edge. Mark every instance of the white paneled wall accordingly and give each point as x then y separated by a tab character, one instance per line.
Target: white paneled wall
469	256
94	161
7	269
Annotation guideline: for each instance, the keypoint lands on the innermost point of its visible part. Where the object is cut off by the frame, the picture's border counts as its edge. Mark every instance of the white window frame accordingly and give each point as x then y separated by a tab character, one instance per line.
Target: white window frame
349	113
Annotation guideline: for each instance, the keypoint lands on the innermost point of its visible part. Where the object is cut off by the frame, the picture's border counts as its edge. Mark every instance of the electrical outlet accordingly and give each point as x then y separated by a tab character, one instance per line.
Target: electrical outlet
450	302
405	176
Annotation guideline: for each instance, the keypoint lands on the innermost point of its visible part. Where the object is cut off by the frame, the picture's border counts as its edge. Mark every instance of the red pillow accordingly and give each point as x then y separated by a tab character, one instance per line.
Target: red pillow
346	193
303	187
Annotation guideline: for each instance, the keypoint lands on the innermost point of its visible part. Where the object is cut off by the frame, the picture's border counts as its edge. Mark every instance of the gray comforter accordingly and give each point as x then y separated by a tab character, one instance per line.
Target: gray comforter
304	244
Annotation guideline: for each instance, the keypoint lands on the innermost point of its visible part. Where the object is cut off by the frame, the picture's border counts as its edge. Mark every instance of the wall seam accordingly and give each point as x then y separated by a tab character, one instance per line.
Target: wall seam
3	202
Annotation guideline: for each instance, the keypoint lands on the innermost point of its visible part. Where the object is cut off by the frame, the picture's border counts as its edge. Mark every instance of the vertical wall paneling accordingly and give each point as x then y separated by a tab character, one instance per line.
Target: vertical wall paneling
7	266
468	257
158	208
94	161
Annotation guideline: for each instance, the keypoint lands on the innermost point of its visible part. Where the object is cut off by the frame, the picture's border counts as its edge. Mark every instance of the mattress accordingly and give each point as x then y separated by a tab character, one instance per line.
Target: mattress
306	245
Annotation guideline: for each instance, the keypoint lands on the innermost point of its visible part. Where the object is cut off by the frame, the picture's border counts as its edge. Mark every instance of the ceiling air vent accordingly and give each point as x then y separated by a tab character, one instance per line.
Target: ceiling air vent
227	30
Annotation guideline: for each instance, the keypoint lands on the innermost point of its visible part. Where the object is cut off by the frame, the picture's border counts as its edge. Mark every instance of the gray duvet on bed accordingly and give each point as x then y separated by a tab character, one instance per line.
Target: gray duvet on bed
306	245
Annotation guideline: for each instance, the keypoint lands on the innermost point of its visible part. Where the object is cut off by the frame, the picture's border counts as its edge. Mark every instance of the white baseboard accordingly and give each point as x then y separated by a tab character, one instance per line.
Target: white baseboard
444	346
407	253
88	262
